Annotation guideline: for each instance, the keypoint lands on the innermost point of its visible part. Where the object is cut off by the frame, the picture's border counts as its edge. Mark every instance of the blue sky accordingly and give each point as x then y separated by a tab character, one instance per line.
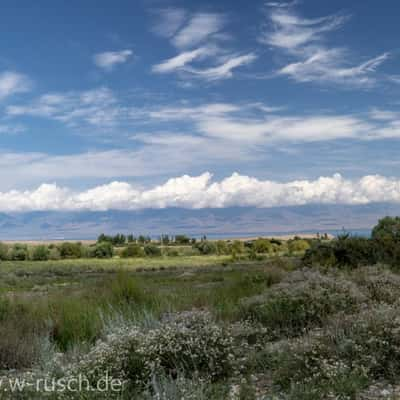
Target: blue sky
111	106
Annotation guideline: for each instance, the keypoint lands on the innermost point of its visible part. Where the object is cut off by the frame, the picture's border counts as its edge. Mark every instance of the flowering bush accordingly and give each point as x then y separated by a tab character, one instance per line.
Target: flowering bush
380	285
304	299
343	357
189	343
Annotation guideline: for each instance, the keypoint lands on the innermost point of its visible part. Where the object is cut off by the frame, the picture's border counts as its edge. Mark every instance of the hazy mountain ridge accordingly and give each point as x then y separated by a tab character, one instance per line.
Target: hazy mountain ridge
235	221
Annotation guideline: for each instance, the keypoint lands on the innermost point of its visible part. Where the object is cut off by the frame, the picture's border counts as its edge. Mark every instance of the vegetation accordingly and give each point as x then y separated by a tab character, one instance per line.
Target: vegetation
263	319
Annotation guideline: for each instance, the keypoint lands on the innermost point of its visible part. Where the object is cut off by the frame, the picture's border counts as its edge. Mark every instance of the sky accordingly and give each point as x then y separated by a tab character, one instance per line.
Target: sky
152	104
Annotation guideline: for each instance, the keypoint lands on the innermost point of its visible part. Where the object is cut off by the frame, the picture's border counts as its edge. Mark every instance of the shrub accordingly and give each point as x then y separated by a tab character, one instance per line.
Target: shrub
344	357
345	251
237	247
102	250
380	284
18	252
70	250
132	250
172	252
221	247
298	245
3	251
151	250
189	342
206	247
54	254
263	246
182	239
304	299
40	253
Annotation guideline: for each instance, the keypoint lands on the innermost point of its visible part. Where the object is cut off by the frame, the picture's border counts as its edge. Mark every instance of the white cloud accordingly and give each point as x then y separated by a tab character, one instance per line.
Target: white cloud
96	107
304	40
179	61
291	31
200	27
325	66
169	20
109	59
190	39
201	192
224	70
12	82
11	129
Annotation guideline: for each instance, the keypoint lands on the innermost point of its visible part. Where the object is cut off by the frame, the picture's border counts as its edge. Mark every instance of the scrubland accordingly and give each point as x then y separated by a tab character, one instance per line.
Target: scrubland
266	321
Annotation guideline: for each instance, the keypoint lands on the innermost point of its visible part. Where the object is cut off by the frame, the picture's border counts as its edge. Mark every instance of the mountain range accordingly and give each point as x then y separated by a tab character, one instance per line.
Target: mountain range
213	222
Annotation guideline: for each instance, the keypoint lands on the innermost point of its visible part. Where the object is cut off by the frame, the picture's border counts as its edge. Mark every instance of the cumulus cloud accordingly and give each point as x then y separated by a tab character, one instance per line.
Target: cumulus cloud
109	59
202	192
12	82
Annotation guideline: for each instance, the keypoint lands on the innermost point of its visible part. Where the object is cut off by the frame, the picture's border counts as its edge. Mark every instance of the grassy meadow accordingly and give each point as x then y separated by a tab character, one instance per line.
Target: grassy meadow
265	319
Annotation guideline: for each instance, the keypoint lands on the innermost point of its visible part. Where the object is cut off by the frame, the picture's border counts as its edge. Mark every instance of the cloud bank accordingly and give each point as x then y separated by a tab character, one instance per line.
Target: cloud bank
202	192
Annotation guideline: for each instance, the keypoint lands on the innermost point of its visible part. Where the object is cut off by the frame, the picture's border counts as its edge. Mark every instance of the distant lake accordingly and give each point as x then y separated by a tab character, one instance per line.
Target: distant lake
334	232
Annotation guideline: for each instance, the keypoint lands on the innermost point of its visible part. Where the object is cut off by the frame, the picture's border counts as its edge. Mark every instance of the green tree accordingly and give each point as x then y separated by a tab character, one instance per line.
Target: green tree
388	228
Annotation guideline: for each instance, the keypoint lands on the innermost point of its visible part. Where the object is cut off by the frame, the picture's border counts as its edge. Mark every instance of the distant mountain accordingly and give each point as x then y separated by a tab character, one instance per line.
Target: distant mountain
235	221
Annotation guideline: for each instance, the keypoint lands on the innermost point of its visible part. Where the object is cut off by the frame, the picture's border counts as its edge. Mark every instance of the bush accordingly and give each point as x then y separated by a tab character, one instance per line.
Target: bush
190	342
132	250
40	253
19	252
263	246
3	251
237	247
54	254
298	245
182	239
221	247
70	250
151	250
343	358
206	247
303	300
345	251
379	284
102	250
172	252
